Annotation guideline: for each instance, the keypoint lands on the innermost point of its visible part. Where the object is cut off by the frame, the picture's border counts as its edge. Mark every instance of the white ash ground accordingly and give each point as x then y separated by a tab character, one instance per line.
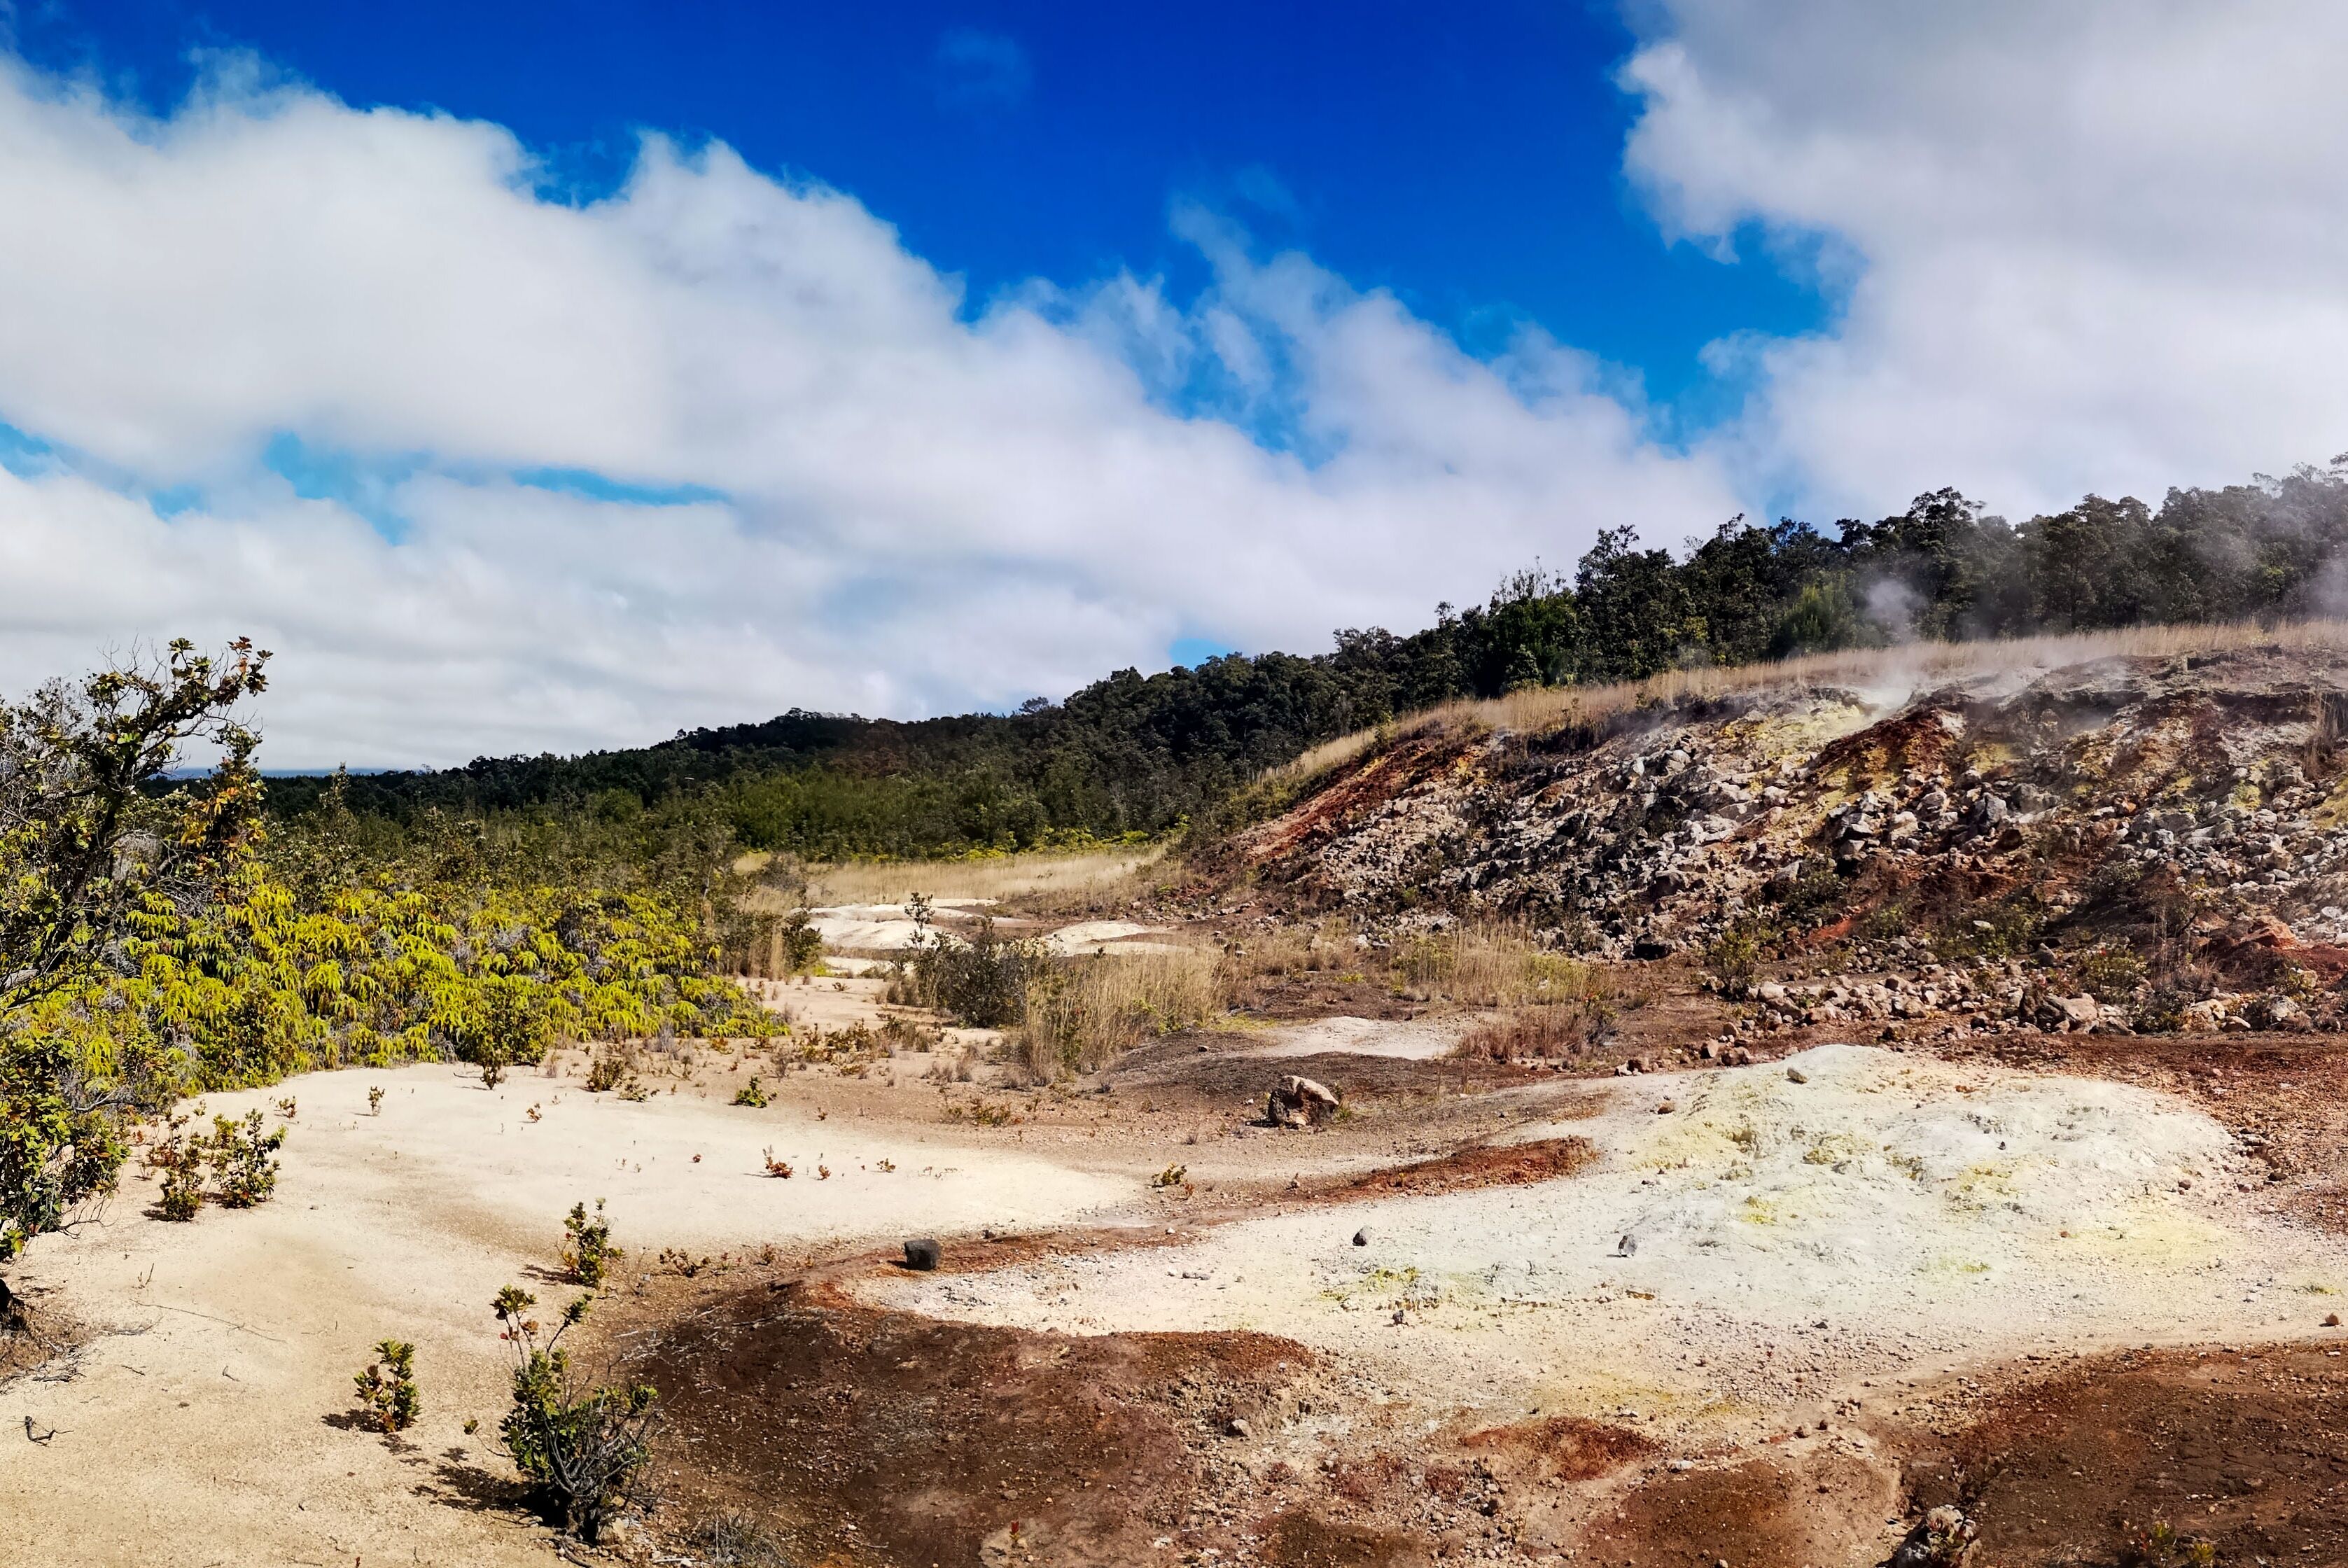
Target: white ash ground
1762	1245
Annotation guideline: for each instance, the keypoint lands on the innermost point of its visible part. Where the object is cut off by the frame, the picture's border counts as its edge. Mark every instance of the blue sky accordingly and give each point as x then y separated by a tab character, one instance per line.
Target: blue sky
1466	157
547	377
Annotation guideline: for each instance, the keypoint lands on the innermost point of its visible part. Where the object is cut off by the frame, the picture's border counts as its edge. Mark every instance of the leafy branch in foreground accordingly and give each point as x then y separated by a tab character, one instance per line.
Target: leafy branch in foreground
581	1447
95	845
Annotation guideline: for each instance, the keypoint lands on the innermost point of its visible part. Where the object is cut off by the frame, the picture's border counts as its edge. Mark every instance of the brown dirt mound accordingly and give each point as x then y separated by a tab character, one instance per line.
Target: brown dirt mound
2247	1450
1504	1165
863	1436
1565	1447
1778	1512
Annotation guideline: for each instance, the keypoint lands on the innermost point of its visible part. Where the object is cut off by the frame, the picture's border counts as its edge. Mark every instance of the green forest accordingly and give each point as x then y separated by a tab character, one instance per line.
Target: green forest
1140	755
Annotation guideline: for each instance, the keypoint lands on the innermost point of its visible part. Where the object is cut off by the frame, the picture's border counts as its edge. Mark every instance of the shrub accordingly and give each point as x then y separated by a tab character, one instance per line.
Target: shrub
2111	974
582	1448
611	1068
387	1387
587	1250
243	1159
802	944
750	1094
2161	1546
734	1540
1735	957
375	1100
982	981
181	1161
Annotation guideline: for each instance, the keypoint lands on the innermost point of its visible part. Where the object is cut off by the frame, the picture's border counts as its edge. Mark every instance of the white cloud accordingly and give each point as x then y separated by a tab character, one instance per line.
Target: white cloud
923	505
2098	245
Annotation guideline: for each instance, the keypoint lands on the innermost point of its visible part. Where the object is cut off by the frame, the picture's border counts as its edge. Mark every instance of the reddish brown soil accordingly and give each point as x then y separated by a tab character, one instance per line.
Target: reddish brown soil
872	1437
1786	1511
2247	1450
1563	1447
1507	1165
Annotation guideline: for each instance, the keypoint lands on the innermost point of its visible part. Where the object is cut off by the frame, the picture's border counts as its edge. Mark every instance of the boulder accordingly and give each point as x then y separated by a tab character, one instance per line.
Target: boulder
1299	1102
922	1254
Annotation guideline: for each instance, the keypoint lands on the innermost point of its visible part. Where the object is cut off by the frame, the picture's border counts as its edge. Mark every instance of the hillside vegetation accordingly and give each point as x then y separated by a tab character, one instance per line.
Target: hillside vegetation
1135	755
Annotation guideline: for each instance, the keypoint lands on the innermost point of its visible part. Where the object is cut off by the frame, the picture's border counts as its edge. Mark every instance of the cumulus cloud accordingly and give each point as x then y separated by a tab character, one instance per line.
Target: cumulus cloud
2097	245
880	494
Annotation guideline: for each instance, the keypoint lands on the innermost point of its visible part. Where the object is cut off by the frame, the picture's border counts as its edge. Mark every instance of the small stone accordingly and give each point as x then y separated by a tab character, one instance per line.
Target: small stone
2331	1320
1627	1245
1238	1427
1796	1075
1362	1237
922	1254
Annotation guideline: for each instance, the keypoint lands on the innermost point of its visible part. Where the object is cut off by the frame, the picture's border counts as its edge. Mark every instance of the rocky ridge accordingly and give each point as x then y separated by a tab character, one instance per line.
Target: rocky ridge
2129	843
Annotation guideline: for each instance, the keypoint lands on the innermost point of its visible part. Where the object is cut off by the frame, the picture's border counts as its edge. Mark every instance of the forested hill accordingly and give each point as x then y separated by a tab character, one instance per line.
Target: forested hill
1136	754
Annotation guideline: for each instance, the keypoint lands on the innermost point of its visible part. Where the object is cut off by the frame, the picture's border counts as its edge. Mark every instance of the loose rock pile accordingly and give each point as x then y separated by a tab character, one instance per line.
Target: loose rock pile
1988	838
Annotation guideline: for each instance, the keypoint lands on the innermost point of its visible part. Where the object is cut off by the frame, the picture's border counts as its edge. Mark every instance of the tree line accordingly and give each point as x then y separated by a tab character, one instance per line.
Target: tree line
1135	754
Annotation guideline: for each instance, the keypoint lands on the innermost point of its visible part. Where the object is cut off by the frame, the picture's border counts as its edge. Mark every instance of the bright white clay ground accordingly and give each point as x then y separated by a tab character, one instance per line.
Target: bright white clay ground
1760	1243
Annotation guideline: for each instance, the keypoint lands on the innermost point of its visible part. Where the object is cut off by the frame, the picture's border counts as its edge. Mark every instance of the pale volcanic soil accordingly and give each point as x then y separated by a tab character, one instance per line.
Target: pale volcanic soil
1751	1241
1155	1339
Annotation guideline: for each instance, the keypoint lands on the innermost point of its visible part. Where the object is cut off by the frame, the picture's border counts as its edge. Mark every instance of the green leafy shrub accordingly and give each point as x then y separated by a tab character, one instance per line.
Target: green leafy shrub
2161	1546
244	1160
181	1161
582	1448
1735	956
2111	974
982	981
386	1387
587	1250
751	1094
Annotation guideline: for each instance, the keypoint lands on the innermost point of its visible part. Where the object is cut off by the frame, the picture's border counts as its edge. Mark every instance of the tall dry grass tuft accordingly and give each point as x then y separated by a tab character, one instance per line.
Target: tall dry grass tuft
1325	946
1084	1013
1487	965
1039	878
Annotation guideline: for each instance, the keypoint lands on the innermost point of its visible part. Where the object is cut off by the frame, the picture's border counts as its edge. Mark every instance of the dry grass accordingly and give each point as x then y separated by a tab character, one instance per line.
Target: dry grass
1085	1013
1038	878
1892	673
1544	1033
1325	947
1487	965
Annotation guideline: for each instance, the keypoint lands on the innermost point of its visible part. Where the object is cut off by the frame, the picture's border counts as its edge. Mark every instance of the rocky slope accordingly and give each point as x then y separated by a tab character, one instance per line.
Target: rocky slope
2135	843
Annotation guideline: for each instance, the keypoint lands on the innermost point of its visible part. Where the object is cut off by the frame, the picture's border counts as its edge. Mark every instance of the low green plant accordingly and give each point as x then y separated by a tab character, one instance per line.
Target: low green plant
2110	974
386	1387
1172	1176
588	1253
2161	1546
582	1448
751	1094
1735	956
375	1100
180	1158
243	1159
